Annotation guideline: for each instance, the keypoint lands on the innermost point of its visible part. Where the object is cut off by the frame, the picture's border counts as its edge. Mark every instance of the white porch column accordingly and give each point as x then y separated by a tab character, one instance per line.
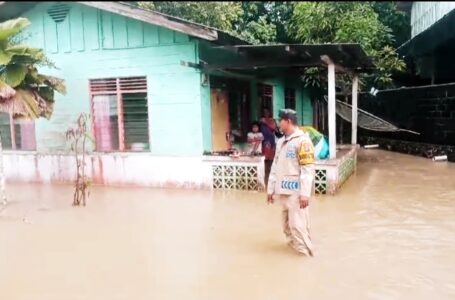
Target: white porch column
355	89
332	109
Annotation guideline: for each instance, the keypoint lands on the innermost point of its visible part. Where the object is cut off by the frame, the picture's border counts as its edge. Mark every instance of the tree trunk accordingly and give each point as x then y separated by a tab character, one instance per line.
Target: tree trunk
2	175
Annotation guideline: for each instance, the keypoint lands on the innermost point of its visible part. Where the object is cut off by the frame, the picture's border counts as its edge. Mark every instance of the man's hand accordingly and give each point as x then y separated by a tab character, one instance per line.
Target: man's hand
304	201
270	199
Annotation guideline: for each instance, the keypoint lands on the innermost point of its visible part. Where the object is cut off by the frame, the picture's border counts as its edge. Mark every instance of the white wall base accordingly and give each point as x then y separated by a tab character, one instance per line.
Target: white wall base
114	169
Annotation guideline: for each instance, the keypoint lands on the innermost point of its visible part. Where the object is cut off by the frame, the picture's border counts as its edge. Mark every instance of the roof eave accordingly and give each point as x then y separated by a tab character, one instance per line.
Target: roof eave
429	39
154	18
348	57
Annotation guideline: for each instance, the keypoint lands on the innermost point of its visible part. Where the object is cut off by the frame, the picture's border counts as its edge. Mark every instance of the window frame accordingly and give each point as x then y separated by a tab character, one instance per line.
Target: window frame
265	92
290	95
12	131
118	92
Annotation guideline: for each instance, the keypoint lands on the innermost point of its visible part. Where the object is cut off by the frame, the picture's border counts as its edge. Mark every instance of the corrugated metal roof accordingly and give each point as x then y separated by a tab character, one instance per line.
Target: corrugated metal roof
428	40
425	14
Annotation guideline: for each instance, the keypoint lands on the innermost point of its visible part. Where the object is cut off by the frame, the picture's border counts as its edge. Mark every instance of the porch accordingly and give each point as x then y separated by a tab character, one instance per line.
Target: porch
282	64
248	173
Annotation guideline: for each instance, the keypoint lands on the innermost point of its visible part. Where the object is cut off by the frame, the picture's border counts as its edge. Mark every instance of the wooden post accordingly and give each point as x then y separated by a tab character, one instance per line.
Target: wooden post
332	109
355	89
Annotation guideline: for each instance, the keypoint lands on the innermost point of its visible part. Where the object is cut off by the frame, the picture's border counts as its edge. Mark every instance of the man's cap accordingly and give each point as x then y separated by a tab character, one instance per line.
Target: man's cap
287	114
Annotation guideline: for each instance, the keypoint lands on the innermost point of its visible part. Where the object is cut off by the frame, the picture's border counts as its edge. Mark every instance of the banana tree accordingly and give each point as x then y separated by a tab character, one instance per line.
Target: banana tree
24	92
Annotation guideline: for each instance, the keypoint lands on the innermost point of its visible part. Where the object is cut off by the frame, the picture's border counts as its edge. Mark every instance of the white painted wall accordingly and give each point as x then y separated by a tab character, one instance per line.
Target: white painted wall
117	169
144	169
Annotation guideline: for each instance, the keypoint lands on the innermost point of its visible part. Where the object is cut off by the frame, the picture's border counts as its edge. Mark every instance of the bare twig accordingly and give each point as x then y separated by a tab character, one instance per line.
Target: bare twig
78	138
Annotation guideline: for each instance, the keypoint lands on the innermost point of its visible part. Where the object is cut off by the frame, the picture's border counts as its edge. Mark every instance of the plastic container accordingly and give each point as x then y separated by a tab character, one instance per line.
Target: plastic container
440	158
371	146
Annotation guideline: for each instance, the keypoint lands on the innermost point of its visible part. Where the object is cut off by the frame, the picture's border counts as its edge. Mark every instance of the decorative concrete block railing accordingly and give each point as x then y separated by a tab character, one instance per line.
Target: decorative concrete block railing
242	173
332	174
247	173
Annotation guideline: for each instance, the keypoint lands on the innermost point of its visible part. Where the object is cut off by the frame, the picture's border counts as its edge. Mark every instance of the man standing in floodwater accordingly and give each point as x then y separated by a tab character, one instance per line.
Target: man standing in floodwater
291	181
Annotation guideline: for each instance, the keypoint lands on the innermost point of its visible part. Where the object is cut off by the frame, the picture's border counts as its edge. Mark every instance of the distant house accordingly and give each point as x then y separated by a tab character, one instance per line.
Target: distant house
432	42
426	102
159	93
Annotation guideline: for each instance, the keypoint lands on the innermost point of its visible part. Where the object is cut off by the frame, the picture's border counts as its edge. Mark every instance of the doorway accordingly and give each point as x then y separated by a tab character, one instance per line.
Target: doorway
220	120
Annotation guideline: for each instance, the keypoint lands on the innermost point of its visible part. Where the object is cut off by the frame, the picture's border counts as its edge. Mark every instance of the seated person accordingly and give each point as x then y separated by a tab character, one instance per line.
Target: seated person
255	139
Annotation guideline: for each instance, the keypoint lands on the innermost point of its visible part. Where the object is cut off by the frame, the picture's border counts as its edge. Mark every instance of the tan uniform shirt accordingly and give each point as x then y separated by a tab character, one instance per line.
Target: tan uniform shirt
292	171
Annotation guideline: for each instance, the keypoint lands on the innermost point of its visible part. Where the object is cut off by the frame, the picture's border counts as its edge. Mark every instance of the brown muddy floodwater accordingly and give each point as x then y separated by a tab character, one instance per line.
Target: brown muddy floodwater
389	234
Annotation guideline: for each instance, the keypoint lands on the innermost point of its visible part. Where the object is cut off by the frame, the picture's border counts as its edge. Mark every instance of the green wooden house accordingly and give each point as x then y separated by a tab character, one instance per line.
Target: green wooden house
111	51
161	91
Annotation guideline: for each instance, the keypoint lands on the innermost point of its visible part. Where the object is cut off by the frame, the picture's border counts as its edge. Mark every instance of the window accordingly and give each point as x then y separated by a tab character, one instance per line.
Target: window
289	98
120	114
17	135
265	93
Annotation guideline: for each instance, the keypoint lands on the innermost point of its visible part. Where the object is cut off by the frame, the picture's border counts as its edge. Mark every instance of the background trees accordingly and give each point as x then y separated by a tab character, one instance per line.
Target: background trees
379	27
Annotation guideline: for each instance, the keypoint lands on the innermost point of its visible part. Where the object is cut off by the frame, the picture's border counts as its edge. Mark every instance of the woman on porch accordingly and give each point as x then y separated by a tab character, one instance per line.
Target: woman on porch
268	130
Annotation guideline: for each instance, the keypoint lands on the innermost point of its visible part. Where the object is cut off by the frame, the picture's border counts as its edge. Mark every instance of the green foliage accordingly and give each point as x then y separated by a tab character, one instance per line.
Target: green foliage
347	22
253	21
265	22
398	21
386	60
220	15
257	32
281	15
10	28
23	91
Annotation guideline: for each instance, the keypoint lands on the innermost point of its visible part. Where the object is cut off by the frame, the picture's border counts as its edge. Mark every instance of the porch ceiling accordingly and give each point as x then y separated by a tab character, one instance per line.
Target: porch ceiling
292	57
